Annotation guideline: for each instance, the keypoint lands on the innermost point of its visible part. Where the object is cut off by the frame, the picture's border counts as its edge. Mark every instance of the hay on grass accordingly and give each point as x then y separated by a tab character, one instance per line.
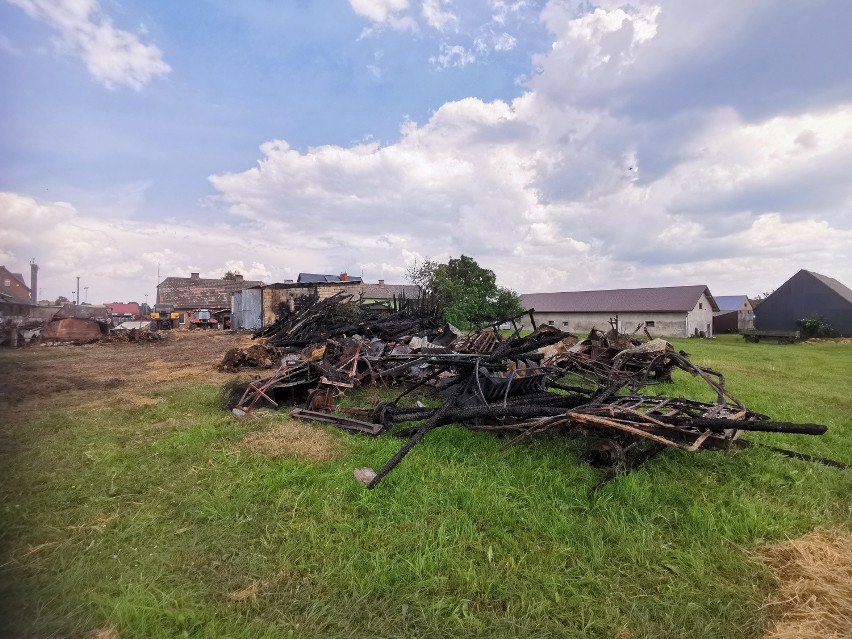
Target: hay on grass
815	594
292	439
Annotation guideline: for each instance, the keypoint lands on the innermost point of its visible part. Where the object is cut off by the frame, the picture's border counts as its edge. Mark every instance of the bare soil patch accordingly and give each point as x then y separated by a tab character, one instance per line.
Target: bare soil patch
109	374
292	439
815	594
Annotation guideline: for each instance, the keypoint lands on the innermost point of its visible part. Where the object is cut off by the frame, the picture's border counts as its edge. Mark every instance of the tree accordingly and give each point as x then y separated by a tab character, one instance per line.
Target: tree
467	293
231	275
61	300
764	295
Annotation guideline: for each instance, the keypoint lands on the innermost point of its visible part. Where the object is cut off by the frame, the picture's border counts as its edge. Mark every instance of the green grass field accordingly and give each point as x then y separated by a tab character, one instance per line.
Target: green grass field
146	518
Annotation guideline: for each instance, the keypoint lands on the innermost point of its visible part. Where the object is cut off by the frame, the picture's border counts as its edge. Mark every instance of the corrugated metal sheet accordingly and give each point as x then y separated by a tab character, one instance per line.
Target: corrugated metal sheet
247	309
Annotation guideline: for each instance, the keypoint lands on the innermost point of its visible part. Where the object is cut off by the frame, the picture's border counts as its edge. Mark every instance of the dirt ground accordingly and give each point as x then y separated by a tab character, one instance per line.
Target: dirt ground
101	374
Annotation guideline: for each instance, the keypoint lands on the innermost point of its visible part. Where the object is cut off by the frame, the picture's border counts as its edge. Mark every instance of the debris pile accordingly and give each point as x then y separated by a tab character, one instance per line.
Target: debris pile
255	356
547	381
609	356
131	335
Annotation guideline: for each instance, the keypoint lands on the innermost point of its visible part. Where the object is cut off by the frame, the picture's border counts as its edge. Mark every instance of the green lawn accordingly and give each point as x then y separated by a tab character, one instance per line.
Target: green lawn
146	518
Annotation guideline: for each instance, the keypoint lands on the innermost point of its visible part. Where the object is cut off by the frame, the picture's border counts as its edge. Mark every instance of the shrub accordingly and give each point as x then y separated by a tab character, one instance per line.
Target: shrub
816	327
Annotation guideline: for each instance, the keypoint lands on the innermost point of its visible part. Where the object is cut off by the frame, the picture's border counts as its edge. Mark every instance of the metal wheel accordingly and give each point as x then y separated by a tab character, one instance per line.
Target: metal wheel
605	453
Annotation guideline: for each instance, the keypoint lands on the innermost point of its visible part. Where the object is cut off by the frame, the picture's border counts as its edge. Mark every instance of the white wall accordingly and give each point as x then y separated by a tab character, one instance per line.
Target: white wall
670	324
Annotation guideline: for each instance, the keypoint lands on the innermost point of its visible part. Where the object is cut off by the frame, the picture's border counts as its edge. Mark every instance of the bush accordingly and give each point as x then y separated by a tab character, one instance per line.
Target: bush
816	327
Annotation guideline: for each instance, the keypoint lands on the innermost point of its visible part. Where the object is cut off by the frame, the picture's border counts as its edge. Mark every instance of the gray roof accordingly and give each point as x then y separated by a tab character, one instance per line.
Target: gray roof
842	290
188	292
387	291
624	300
11	298
730	302
313	278
83	311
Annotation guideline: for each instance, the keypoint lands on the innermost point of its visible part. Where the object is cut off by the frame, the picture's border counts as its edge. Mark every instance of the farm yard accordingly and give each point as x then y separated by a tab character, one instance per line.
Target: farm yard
135	506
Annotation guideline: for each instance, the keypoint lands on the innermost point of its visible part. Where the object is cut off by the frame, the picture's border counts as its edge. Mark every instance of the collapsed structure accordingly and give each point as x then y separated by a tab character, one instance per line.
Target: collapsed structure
547	381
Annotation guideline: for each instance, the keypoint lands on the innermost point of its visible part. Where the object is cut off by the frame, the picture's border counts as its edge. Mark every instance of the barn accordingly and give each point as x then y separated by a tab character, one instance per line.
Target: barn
675	311
806	295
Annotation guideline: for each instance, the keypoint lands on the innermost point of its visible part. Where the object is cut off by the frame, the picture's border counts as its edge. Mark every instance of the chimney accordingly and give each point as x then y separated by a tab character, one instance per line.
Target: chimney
238	278
34	281
193	276
381	282
344	277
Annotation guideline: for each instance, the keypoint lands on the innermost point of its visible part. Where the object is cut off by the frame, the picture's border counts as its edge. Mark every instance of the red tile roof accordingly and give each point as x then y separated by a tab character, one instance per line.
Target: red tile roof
668	298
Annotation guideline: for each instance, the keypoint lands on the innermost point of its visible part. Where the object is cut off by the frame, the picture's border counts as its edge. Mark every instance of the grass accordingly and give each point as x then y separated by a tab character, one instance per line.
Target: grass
146	518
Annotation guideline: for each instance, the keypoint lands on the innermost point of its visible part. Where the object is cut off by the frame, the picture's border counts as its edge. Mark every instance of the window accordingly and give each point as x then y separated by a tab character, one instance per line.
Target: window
7	282
565	324
700	305
550	322
649	323
182	320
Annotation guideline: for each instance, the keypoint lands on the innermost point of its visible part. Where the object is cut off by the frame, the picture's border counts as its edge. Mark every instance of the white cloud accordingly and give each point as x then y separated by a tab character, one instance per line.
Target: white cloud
554	199
118	258
437	16
378	10
452	56
384	13
112	56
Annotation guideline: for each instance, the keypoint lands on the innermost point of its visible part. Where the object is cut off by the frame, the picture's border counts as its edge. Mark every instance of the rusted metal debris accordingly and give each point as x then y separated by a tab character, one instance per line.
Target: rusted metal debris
547	381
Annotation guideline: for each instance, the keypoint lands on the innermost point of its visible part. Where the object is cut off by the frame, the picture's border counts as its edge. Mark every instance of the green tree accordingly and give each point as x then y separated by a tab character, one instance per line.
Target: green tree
467	293
231	275
61	300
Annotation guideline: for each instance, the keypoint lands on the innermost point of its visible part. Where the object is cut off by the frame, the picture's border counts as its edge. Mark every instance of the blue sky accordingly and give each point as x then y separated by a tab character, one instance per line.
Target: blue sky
565	145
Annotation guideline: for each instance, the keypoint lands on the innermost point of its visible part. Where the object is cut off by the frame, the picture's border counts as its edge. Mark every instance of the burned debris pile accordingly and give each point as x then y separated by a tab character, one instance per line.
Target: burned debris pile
521	386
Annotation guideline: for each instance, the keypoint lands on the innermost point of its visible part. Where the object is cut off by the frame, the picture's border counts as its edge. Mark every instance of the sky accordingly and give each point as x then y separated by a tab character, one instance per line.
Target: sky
565	145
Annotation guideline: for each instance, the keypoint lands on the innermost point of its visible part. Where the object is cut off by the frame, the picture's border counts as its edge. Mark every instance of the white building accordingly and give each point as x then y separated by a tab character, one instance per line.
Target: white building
673	311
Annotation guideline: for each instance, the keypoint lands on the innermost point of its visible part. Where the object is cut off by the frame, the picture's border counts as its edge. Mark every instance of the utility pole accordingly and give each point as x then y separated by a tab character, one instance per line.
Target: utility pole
78	290
86	289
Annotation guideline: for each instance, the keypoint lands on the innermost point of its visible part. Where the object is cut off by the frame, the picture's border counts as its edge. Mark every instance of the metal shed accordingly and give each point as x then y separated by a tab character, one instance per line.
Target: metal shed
247	308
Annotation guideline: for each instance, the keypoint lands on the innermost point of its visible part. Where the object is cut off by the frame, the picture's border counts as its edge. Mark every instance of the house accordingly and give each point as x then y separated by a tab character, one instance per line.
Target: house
676	311
257	306
123	312
188	294
806	295
736	314
314	278
13	284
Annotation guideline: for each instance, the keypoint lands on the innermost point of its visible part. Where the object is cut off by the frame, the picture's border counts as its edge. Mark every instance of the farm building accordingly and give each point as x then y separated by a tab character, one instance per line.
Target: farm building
188	294
806	295
259	306
388	294
735	314
676	311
